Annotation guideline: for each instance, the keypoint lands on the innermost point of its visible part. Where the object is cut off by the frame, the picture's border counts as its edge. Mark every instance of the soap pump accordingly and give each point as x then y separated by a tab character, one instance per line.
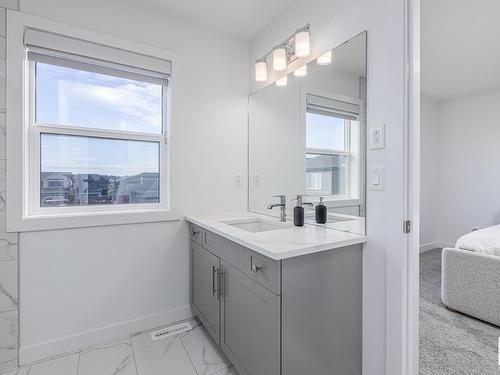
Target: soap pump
321	212
298	211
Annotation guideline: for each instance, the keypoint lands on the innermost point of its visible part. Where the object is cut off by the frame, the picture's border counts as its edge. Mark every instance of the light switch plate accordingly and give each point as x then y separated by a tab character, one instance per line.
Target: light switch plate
377	137
376	178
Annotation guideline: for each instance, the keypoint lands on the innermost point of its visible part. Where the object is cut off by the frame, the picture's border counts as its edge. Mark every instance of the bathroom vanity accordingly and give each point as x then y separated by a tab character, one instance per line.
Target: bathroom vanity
278	299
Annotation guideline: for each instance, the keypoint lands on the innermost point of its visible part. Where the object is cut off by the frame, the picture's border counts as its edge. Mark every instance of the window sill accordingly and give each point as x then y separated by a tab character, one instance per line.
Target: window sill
94	219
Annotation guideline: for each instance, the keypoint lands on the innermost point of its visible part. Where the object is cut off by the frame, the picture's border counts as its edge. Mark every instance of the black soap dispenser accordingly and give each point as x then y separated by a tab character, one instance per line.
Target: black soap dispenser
298	212
321	212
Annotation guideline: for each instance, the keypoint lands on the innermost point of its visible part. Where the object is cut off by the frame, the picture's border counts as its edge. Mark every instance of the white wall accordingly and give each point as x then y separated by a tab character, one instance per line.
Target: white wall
470	161
429	150
79	286
467	183
333	22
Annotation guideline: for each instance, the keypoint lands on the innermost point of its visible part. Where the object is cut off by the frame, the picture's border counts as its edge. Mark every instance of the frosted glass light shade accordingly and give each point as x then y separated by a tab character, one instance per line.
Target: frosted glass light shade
260	71
301	72
302	44
325	58
282	81
279	59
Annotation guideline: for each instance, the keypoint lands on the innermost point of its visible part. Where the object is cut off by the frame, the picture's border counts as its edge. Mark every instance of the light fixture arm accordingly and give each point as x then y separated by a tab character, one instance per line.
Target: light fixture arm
288	44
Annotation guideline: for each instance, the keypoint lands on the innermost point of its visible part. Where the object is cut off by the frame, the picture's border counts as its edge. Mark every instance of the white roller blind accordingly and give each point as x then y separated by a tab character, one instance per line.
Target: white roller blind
332	107
41	42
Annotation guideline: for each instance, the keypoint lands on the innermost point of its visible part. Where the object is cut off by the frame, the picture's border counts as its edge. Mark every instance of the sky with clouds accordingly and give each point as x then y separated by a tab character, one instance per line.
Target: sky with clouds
67	96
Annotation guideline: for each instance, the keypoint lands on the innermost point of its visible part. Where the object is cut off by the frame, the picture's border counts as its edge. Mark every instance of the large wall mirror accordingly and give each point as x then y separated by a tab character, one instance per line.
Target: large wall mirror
309	138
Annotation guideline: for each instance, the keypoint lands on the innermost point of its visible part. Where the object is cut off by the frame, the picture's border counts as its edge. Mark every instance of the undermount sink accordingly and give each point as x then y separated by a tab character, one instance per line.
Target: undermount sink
255	225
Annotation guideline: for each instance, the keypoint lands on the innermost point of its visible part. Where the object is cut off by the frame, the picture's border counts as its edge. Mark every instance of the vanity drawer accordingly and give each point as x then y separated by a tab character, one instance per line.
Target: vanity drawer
196	234
227	250
264	270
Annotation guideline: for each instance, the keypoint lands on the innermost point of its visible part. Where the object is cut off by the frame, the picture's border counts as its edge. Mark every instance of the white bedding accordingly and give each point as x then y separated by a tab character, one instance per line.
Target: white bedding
485	241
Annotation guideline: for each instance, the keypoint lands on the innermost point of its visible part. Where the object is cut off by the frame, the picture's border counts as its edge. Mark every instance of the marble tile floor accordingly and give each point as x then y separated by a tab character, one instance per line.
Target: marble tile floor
190	353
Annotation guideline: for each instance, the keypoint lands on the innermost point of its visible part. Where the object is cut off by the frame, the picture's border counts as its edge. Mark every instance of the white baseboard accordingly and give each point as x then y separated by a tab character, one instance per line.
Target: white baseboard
435	245
74	343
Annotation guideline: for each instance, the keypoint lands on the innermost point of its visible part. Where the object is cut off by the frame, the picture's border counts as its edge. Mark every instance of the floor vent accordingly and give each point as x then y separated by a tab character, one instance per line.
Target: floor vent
171	331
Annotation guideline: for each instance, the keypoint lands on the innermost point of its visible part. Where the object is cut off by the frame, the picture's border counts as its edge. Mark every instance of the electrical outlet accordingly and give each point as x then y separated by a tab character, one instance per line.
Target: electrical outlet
257	180
238	180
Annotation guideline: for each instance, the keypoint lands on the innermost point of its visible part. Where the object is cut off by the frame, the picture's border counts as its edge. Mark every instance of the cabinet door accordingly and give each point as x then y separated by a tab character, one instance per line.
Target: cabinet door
250	326
205	300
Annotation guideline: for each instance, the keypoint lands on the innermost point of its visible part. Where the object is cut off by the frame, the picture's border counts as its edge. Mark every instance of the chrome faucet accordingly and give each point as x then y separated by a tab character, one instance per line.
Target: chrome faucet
282	205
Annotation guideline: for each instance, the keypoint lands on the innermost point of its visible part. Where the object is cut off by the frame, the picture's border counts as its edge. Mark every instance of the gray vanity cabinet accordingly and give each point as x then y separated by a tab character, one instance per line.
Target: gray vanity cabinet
250	324
296	316
205	298
236	295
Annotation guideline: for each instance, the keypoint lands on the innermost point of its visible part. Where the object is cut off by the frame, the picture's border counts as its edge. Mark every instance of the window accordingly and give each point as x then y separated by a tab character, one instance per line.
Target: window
98	134
89	126
331	145
327	151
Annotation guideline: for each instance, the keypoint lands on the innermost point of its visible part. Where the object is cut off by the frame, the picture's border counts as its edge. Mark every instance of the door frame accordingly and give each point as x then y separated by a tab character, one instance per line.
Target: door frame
411	260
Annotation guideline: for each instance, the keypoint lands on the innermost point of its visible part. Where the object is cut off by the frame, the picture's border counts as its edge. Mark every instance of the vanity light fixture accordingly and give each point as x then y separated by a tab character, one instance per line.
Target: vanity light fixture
261	71
300	72
325	58
282	81
279	58
297	45
302	42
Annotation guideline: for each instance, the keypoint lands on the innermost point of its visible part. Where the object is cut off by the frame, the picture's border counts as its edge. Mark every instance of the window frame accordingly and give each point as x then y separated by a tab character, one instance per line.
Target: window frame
36	129
18	152
333	152
337	200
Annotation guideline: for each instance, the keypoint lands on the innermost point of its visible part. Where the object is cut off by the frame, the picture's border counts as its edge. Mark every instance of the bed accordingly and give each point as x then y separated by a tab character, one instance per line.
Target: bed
471	275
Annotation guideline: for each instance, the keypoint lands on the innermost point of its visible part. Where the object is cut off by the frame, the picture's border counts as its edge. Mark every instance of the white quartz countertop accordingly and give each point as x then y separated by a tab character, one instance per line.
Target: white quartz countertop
282	243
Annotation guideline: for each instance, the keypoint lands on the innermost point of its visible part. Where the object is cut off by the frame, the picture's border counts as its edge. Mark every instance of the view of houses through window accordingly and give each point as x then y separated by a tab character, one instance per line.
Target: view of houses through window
326	174
68	189
113	178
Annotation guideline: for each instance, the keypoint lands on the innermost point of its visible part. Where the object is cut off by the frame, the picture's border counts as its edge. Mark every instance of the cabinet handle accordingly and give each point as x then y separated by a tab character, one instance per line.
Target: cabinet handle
253	267
220	280
256	268
214	288
195	232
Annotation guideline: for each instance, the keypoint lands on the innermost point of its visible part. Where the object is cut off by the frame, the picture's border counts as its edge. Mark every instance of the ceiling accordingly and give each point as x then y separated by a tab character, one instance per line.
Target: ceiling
460	47
239	18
